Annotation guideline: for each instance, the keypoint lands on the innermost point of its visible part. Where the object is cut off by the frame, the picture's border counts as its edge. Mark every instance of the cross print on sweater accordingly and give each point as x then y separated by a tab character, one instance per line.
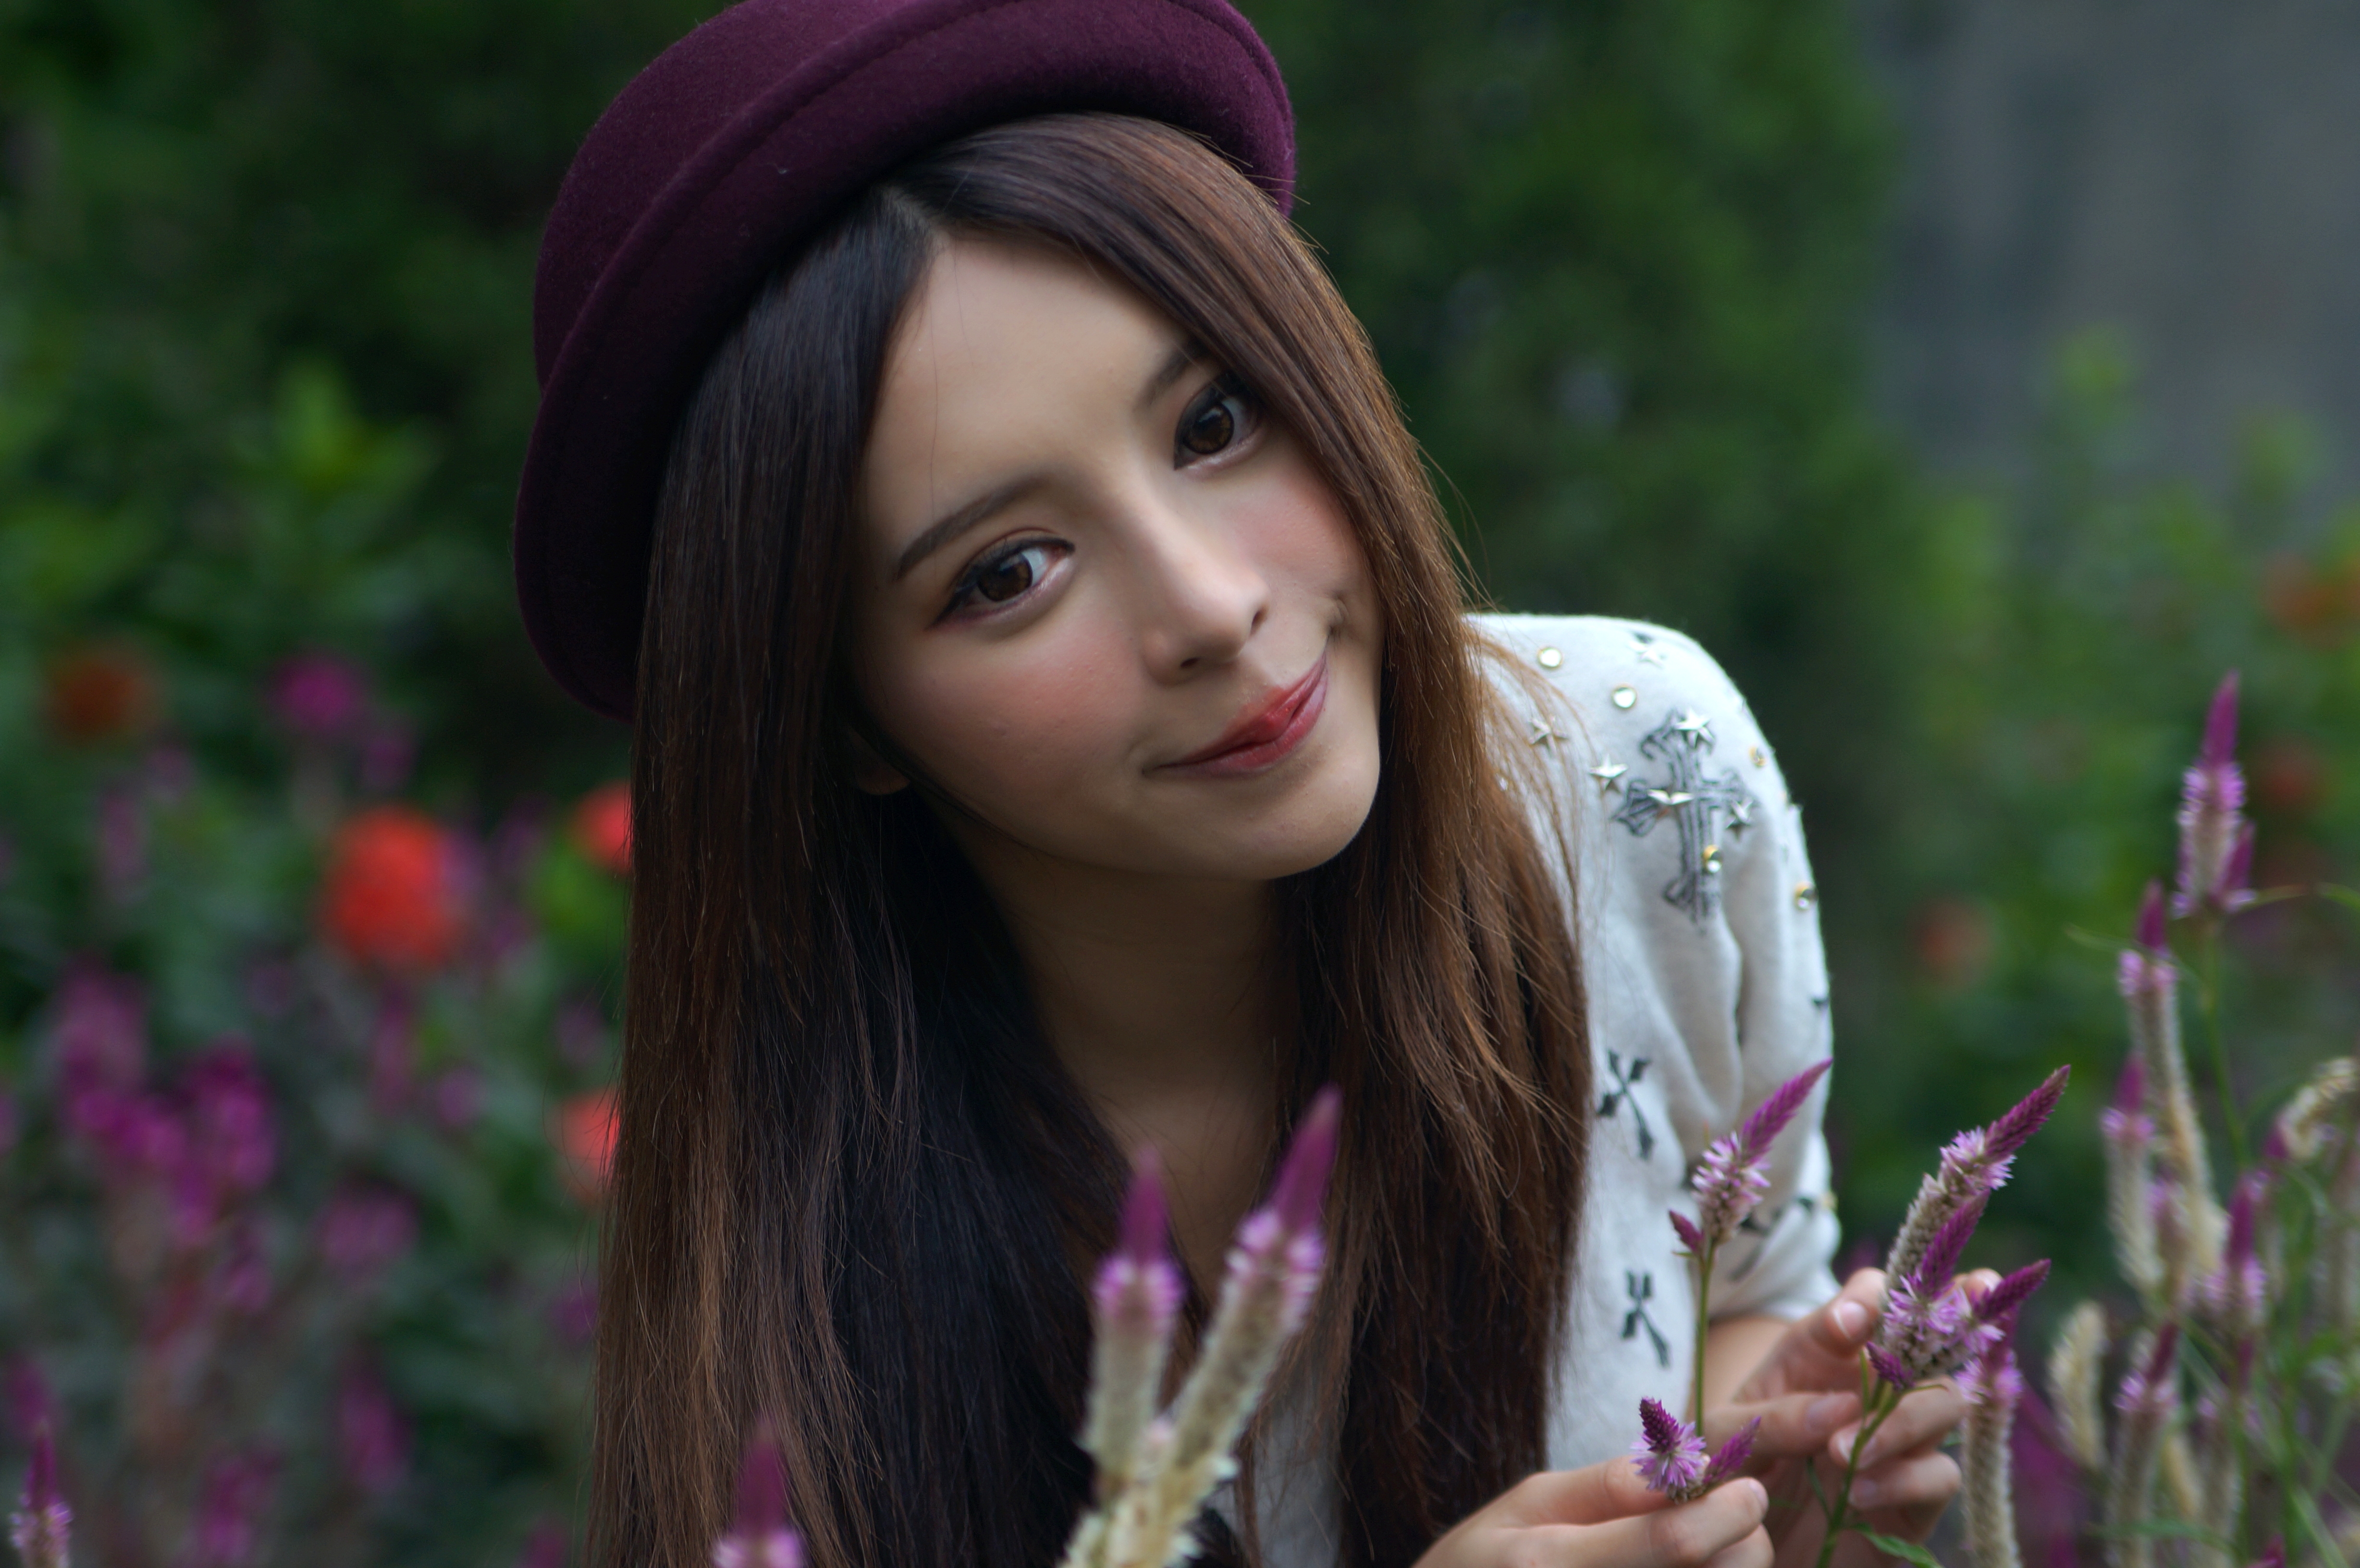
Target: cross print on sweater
1697	804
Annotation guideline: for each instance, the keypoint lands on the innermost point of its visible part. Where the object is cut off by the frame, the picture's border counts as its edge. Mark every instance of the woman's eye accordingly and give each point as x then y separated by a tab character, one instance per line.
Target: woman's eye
998	579
1221	416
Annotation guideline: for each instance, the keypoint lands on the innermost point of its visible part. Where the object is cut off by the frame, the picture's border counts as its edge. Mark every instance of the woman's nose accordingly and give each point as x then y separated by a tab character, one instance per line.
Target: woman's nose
1200	598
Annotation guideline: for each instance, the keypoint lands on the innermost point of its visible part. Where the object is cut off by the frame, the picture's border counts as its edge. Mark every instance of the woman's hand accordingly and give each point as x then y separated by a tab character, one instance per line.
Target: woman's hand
1604	1517
1807	1392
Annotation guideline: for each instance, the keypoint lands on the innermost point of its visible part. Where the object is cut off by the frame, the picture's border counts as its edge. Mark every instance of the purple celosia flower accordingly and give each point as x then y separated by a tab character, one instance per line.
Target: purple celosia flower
2151	1389
30	1405
2238	1292
2147	970
100	1036
2001	1304
1670	1455
1138	1289
41	1527
2216	844
1888	1368
227	1532
1284	1233
2273	1555
1735	1175
229	1116
371	1435
1974	1165
1992	1378
241	1276
362	1230
762	1536
2127	1121
318	696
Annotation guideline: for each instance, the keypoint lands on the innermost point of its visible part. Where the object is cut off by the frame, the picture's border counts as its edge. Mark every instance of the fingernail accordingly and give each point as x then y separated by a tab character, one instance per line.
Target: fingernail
1828	1411
1843	1443
1852	1319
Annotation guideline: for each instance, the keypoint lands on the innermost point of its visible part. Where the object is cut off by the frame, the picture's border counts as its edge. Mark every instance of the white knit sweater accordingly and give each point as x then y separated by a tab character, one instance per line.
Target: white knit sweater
1700	940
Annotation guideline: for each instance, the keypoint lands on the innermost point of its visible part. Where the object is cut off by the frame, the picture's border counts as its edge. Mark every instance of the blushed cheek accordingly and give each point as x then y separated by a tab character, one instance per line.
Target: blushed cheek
1016	743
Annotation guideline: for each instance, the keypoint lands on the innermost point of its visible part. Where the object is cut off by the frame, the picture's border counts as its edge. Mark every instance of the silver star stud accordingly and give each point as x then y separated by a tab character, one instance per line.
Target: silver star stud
1696	726
1542	734
1609	775
1643	649
1741	815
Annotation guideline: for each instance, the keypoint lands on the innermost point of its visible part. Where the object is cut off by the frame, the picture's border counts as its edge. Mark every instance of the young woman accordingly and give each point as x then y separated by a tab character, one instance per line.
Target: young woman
1058	729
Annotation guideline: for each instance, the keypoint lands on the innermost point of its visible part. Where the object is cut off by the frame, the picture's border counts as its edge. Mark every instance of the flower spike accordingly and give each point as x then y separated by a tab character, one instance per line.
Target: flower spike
761	1536
2001	1303
2216	839
1731	1455
1669	1453
1691	1238
1303	1178
41	1527
1771	1116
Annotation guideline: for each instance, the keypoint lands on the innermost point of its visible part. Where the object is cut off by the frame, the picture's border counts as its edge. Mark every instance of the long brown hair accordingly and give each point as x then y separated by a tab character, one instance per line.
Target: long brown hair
850	1173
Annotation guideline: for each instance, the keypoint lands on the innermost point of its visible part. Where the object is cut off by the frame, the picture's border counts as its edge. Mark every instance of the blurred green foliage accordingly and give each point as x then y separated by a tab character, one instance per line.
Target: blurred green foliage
265	380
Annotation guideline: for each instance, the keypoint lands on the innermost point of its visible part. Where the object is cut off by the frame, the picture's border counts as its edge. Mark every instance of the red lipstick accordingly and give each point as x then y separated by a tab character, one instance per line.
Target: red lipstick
1265	735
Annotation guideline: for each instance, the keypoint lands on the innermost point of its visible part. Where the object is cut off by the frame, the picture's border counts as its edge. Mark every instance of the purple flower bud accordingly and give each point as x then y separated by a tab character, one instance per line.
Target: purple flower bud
41	1527
1669	1453
1771	1116
1691	1238
2150	1387
1947	1245
2147	968
2212	828
2006	1136
1303	1175
318	696
1139	1289
2001	1303
1731	1457
370	1432
1888	1366
762	1537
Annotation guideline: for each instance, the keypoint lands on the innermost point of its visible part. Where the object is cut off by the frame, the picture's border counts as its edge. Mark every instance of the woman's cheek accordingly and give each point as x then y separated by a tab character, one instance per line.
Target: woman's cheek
1020	740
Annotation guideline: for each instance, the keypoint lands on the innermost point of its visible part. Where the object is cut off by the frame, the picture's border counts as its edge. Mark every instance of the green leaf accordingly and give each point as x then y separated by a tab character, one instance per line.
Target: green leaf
1894	1546
2348	896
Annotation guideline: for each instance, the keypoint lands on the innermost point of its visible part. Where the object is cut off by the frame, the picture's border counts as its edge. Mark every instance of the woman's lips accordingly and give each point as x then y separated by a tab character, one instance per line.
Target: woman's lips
1263	736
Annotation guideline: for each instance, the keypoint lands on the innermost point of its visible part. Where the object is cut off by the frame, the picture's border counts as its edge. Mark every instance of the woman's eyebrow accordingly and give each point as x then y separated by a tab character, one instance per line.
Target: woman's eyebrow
1185	352
950	527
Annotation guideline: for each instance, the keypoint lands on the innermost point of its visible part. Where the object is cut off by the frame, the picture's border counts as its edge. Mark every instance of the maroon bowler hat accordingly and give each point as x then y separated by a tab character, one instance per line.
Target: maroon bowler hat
730	151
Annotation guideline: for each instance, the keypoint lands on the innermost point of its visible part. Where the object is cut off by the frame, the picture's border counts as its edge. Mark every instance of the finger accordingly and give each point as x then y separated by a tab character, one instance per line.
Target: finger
1917	1481
1833	1335
1797	1424
1592	1495
1753	1551
1925	1418
1688	1535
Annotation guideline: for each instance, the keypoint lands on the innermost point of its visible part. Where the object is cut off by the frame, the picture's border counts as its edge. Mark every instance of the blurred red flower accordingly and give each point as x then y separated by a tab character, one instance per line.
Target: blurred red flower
394	894
602	826
583	1128
100	693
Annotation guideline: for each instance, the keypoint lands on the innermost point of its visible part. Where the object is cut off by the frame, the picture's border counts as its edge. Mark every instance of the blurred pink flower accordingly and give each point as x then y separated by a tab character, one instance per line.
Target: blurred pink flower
371	1434
241	1278
41	1525
456	1097
574	1314
761	1536
318	695
396	891
228	1528
229	1115
387	757
364	1230
545	1548
100	1034
602	827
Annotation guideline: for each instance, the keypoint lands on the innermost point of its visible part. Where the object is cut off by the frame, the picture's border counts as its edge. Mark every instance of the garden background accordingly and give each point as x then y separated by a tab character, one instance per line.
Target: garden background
1662	287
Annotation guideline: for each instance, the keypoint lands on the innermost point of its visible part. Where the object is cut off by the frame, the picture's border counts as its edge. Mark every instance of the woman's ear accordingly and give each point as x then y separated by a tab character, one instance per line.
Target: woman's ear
871	774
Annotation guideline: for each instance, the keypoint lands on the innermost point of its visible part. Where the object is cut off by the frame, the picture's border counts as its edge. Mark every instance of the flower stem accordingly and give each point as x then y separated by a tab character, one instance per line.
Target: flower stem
1840	1516
1703	1331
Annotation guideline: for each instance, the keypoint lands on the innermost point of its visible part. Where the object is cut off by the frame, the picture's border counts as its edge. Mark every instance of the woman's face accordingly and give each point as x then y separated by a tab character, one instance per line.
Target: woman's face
1100	599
